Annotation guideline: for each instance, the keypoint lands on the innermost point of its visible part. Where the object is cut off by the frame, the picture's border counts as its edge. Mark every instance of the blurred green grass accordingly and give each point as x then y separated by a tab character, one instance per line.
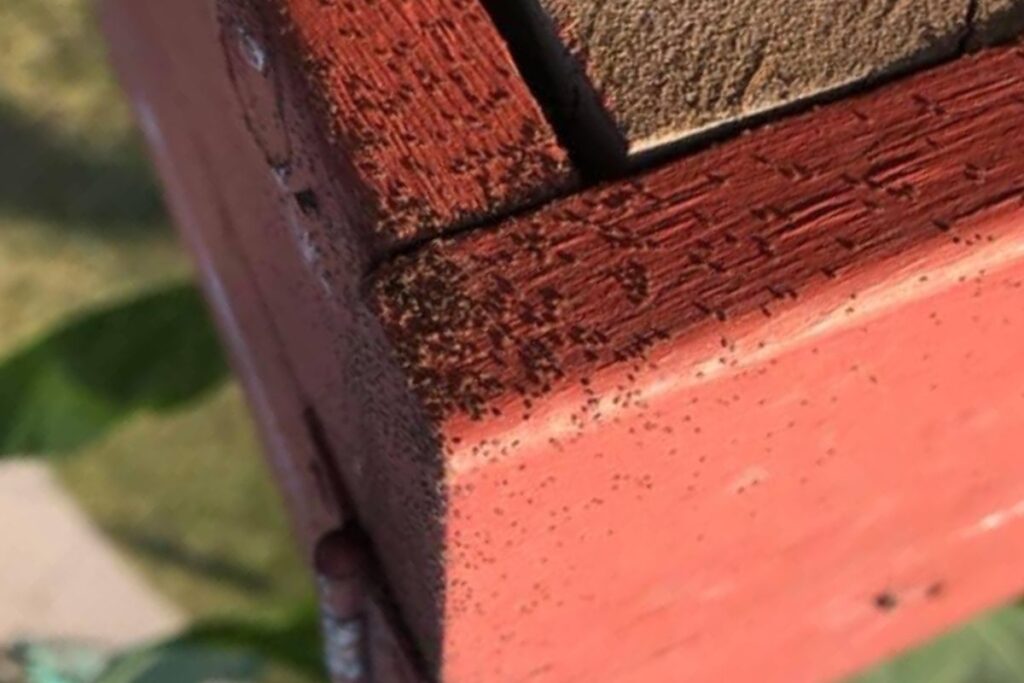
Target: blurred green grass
69	155
184	493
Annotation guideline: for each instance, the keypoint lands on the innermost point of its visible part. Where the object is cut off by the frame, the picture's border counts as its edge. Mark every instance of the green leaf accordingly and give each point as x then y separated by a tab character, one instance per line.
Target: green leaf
228	649
57	662
987	650
292	641
156	352
184	664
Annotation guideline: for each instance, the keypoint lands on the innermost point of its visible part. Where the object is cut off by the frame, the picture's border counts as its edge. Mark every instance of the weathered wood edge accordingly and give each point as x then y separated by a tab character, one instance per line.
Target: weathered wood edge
282	295
286	244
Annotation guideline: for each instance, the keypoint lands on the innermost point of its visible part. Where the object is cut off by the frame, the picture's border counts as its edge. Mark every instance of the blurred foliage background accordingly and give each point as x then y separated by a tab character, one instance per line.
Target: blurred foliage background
110	368
108	363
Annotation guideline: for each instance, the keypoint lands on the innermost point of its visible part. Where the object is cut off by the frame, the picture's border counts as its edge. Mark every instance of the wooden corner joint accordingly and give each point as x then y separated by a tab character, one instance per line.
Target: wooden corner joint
764	399
429	132
764	385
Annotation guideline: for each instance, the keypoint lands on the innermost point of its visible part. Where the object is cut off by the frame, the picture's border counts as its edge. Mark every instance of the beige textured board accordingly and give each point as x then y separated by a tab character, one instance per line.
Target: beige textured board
60	578
646	75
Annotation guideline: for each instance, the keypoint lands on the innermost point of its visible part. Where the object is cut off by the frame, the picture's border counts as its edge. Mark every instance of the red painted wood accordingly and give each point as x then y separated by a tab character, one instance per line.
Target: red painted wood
751	416
715	243
422	101
841	484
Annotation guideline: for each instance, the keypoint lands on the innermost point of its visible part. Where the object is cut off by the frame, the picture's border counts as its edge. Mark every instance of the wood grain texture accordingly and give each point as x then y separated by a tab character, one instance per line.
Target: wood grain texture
738	404
707	245
580	445
236	112
425	104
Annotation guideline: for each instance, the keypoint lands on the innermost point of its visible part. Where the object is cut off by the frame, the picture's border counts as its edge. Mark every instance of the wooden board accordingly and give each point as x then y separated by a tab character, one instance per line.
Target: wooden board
645	78
281	279
429	124
997	21
763	400
560	476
